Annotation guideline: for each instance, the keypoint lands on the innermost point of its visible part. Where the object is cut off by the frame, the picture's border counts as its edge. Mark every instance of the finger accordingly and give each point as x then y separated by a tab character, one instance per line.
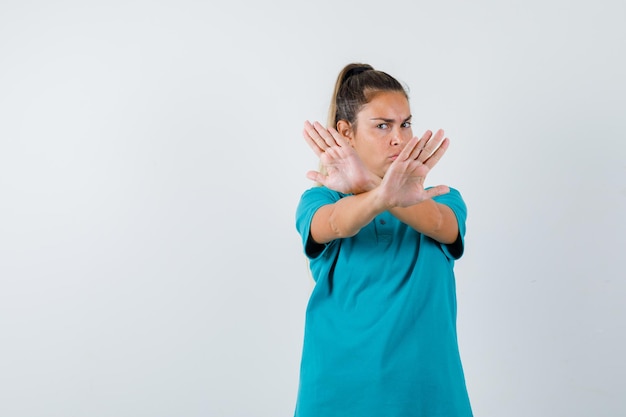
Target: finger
431	145
315	176
438	154
339	139
410	150
327	136
421	143
437	191
314	135
425	138
312	143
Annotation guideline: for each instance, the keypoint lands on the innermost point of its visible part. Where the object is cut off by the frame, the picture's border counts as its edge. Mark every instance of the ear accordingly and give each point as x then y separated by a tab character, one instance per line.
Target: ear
345	129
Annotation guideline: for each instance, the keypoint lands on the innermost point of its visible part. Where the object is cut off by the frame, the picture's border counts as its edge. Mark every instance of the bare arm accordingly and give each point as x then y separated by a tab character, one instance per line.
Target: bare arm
345	217
432	219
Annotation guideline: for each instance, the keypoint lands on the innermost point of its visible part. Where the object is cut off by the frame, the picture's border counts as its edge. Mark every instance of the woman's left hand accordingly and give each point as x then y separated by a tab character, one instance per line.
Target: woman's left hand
403	184
345	172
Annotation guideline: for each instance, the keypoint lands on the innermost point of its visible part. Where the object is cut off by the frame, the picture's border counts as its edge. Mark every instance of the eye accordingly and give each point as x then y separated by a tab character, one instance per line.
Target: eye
406	124
382	126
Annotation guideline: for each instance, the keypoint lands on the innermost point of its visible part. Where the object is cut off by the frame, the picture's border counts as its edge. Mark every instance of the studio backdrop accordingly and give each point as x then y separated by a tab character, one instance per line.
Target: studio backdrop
151	161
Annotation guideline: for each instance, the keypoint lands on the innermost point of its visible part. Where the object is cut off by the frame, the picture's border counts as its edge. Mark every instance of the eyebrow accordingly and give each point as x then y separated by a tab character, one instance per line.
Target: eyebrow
391	120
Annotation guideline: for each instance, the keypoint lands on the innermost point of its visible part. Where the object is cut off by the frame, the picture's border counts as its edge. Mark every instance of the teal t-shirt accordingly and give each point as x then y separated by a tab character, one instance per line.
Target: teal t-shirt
380	334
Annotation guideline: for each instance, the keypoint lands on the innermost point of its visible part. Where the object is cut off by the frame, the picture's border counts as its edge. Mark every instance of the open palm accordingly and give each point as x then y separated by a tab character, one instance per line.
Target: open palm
403	183
342	169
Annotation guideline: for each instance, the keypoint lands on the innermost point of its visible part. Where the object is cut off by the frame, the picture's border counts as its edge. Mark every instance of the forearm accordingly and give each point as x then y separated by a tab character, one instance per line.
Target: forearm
430	218
346	217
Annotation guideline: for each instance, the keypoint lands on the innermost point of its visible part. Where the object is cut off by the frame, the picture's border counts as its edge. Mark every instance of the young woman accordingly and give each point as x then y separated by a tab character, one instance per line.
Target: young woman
380	334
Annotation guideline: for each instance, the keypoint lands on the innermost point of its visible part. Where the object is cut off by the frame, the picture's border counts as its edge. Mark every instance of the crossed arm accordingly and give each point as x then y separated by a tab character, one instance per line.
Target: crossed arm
401	191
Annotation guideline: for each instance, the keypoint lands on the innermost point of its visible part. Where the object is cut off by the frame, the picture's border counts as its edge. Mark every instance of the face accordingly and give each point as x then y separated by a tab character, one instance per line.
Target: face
383	128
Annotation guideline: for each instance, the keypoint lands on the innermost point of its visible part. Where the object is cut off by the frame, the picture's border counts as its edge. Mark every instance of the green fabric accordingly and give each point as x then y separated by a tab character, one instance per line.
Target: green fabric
380	334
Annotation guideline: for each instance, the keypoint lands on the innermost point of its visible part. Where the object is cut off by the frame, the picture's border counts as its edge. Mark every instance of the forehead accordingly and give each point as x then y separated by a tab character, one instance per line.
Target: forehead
385	104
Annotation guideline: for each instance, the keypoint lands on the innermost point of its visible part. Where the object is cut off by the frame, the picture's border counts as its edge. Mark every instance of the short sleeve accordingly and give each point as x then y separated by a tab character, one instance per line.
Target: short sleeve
454	200
310	201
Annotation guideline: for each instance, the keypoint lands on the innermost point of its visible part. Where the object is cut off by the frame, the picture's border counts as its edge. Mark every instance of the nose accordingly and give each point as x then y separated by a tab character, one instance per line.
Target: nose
396	137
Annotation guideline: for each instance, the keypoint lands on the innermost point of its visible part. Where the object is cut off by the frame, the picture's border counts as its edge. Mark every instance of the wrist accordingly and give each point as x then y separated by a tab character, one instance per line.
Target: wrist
381	199
368	184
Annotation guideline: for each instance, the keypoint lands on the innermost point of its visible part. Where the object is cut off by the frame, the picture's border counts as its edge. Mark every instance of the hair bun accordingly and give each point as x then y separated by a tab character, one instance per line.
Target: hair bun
355	69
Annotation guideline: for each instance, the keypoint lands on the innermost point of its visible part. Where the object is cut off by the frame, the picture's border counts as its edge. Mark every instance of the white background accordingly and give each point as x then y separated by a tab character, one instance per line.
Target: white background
151	162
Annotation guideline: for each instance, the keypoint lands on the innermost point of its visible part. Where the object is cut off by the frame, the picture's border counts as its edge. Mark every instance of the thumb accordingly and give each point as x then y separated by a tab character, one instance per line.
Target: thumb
315	176
437	191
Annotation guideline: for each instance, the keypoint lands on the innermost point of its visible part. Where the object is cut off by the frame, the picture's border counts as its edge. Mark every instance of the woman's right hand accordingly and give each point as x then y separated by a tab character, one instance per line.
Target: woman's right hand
345	172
